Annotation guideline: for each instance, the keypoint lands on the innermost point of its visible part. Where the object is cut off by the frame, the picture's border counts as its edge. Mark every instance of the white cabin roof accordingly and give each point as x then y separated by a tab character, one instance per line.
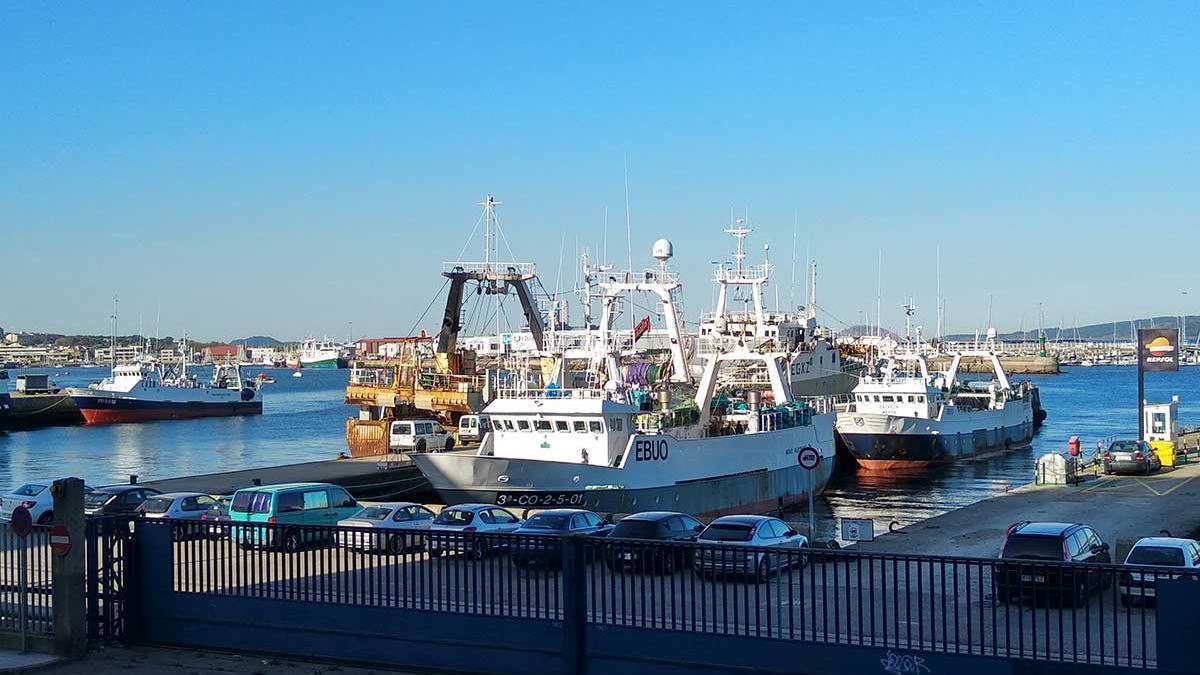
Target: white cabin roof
558	406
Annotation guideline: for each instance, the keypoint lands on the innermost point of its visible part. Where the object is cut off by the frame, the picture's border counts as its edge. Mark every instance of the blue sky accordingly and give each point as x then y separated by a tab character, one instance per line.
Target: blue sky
286	168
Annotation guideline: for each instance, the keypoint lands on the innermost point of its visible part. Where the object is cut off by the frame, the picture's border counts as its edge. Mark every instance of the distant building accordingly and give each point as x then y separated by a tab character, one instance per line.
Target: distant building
384	347
12	339
125	353
224	353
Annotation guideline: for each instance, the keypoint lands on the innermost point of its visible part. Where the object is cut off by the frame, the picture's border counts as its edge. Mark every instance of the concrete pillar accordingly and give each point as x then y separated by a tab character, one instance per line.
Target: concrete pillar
70	606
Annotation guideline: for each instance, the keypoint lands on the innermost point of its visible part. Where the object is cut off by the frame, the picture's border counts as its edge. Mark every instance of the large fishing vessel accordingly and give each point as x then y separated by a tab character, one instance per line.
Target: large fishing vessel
717	432
143	391
905	417
324	353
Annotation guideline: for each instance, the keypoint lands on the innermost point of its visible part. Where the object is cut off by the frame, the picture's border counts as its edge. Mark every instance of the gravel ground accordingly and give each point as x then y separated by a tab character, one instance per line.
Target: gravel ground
163	661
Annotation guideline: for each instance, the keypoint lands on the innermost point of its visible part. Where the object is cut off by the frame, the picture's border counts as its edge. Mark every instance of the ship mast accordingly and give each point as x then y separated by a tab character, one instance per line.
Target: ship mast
112	355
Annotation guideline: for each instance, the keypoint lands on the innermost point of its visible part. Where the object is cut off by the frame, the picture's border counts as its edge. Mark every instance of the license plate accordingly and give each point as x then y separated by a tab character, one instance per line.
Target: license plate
1034	579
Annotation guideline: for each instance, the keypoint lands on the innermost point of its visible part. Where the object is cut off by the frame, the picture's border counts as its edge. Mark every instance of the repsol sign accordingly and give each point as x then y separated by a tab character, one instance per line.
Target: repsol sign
651	450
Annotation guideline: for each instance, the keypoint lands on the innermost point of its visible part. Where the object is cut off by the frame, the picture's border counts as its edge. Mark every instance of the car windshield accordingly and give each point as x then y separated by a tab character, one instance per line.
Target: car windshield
251	502
157	505
29	490
1033	548
1166	556
636	529
94	499
547	521
373	513
727	532
454	517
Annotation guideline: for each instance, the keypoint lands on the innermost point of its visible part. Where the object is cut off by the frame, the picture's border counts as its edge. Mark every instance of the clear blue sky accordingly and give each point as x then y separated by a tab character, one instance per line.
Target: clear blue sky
285	168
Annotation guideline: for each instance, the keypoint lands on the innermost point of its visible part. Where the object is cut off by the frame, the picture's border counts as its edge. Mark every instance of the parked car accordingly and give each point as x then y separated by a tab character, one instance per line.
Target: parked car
396	527
34	496
1171	552
652	526
176	506
746	545
1028	546
289	506
116	500
1131	457
216	519
419	436
470	519
471	428
544	528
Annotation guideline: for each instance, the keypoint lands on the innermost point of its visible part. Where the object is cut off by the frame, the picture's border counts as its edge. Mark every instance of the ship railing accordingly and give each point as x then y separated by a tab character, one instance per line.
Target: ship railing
822	405
728	273
373	377
494	269
563	393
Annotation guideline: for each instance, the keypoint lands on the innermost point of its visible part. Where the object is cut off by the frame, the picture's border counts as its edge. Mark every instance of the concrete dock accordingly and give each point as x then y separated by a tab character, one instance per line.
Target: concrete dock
1121	509
390	477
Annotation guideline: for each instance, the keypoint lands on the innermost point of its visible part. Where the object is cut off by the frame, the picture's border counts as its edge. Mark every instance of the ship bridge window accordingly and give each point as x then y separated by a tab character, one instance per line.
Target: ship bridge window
561	425
523	425
887	399
580	426
877	398
596	426
910	398
615	424
542	425
920	398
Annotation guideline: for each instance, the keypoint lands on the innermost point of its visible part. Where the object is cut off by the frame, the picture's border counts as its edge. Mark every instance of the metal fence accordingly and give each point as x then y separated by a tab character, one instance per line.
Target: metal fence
1047	611
26	591
108	565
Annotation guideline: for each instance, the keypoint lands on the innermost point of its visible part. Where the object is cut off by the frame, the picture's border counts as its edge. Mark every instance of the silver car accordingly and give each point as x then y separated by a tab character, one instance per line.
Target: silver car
470	519
176	505
395	527
745	547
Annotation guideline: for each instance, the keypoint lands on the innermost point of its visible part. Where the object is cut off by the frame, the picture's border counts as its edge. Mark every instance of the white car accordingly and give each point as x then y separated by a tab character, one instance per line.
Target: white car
419	436
470	519
34	496
1156	552
396	527
177	505
471	428
746	543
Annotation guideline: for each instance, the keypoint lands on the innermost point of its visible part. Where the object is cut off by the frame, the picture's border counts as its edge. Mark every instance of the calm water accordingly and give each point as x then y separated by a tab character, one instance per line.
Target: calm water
304	420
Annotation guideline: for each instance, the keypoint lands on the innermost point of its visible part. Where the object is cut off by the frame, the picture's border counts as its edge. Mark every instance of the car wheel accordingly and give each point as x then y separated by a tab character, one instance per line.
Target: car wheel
449	445
420	446
291	541
763	571
435	552
478	550
395	544
179	532
46	518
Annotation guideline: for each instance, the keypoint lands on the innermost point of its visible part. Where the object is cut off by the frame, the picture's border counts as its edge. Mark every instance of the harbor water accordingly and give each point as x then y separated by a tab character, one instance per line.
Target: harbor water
304	420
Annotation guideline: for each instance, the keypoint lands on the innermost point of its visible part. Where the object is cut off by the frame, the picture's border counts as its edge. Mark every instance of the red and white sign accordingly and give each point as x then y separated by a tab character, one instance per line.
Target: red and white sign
809	458
22	522
60	540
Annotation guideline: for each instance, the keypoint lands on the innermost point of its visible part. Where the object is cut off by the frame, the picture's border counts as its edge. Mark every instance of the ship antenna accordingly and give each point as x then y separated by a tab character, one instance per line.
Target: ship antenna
629	240
112	356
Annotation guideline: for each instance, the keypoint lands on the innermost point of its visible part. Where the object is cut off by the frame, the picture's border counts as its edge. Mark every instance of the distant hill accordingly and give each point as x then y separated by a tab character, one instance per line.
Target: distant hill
1099	331
259	341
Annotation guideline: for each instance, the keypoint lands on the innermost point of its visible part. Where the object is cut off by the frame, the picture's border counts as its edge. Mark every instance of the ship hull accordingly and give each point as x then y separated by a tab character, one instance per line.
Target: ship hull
894	443
109	408
325	363
751	473
33	411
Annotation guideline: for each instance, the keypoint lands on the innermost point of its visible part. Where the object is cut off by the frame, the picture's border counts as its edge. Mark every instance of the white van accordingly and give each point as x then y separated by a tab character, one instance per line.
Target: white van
471	428
420	436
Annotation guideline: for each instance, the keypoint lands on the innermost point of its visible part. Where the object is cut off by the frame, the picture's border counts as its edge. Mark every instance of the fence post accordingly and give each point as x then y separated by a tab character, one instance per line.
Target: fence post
574	588
67	577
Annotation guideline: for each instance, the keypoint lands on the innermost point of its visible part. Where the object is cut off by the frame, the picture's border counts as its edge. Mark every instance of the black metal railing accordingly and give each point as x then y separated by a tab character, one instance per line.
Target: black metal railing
1065	612
25	581
108	565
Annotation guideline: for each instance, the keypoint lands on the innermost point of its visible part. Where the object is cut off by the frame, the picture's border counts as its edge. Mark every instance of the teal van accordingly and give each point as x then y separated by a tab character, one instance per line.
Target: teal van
289	504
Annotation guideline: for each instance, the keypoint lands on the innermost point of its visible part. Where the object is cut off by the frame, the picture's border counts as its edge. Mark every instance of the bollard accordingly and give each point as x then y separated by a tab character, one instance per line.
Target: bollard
70	607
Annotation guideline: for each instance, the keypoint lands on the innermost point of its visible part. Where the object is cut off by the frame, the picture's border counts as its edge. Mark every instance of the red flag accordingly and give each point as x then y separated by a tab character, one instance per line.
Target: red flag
641	328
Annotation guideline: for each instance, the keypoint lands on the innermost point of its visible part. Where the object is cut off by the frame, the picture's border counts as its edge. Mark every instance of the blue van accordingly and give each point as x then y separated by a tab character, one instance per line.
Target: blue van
289	504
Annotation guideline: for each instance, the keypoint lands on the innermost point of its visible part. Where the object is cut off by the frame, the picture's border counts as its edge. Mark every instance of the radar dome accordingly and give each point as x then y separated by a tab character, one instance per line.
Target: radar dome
991	334
663	250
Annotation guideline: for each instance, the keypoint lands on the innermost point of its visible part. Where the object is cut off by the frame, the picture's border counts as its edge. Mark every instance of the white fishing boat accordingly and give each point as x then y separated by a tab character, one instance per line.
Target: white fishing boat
905	417
718	432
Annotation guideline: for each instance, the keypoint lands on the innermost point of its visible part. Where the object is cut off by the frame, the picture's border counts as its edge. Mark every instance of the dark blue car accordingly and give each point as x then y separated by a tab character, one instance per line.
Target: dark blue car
541	534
